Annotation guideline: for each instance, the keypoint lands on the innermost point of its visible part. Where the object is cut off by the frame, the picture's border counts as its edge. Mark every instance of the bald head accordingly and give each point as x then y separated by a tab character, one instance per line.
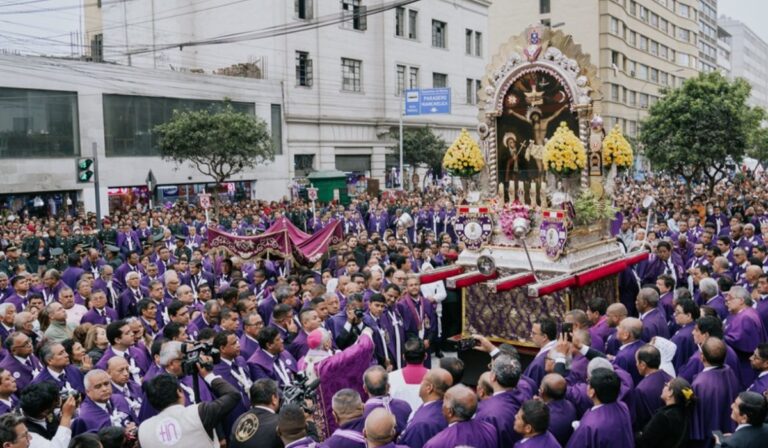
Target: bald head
460	404
632	329
553	387
615	313
484	387
713	352
379	427
376	381
440	379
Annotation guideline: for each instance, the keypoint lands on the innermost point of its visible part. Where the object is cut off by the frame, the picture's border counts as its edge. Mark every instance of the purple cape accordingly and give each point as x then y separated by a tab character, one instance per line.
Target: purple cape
427	421
715	390
608	425
474	433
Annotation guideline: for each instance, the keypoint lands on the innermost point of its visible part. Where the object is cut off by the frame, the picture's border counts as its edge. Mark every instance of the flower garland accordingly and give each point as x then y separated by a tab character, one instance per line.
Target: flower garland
564	153
464	158
616	149
509	213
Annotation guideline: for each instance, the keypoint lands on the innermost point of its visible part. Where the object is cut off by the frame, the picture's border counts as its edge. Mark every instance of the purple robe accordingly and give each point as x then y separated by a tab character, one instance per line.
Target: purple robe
20	302
265	307
95	318
648	397
225	371
262	365
392	323
92	417
605	426
686	346
399	408
129	300
72	374
625	359
299	346
4	408
248	346
761	383
499	410
718	304
474	433
71	275
138	356
543	440
418	313
743	332
535	369
601	330
654	324
561	414
348	435
342	370
715	390
427	421
694	366
21	372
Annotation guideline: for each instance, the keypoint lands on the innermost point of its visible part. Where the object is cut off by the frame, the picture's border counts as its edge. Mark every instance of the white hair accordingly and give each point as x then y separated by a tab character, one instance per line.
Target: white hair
4	308
170	350
131	275
88	377
598	363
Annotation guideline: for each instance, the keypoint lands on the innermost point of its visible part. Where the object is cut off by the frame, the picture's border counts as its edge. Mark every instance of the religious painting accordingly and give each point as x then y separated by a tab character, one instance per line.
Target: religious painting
533	107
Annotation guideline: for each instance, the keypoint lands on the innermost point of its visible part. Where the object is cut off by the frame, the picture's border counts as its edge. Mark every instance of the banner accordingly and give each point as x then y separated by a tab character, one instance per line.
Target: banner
281	240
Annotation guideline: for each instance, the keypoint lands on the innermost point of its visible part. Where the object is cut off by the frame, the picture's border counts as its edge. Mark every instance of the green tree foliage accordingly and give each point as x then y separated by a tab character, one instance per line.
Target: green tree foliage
696	130
758	149
421	146
219	144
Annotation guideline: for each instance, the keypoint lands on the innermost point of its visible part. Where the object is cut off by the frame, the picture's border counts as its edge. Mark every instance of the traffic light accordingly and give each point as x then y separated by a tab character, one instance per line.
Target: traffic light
84	170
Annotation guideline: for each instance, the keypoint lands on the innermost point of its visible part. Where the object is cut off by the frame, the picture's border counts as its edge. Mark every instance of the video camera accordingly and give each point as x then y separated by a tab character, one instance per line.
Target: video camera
300	391
192	352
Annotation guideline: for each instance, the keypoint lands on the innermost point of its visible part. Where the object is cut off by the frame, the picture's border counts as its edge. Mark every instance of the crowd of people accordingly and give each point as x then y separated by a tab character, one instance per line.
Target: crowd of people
131	331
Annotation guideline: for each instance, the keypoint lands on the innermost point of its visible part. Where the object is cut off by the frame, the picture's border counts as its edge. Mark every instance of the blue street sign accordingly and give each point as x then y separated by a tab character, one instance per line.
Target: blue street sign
427	101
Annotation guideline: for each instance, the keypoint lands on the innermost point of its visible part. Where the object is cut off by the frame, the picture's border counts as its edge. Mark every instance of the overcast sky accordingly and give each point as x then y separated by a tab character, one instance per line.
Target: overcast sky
50	26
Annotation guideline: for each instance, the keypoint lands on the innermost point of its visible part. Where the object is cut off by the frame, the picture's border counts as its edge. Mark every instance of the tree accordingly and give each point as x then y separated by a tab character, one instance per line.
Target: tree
219	144
421	146
695	131
758	148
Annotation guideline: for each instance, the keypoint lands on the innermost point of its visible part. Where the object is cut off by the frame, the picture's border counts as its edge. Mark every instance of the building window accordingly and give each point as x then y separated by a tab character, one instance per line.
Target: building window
683	34
632	128
615	58
351	75
413	78
354	14
664	78
654	20
468	41
614	92
400	21
129	121
478	43
654	75
643	43
400	79
303	69
683	10
303	164
277	127
644	100
632	38
303	9
544	7
473	86
642	71
38	123
439	80
683	59
413	23
546	22
97	48
632	98
654	48
438	34
614	26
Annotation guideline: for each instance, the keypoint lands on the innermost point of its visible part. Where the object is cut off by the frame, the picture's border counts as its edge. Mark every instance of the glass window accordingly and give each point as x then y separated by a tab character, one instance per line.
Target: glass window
614	26
478	43
471	91
38	123
413	78
129	121
413	21
644	100
544	7
683	34
438	34
439	80
683	59
683	10
654	48
654	75
468	41
303	9
353	9
400	21
277	127
303	69
632	98
642	71
632	38
643	43
351	75
400	79
614	92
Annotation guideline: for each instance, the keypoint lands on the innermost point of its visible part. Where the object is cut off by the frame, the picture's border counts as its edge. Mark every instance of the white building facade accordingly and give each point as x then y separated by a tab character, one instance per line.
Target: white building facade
749	59
53	112
342	74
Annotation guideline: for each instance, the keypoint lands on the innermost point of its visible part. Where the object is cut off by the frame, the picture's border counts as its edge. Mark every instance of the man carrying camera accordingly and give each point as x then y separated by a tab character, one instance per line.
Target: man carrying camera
186	426
38	403
348	333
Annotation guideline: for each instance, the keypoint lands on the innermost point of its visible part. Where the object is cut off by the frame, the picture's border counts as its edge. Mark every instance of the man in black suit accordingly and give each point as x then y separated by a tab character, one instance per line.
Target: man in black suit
749	412
258	426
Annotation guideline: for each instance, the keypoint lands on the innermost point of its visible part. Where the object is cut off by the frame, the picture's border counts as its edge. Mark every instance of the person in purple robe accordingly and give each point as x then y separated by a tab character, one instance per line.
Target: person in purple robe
376	385
419	316
759	361
58	369
122	343
653	318
233	369
648	391
120	376
131	296
428	418
392	324
20	360
20	296
706	327
499	409
743	331
373	319
272	361
531	423
629	333
101	408
544	335
459	406
252	324
8	399
132	264
72	274
348	415
100	313
608	422
561	411
686	313
715	388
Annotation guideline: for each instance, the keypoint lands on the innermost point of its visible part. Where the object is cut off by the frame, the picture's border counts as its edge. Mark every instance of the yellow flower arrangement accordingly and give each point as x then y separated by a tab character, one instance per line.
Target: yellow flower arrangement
616	149
464	158
564	153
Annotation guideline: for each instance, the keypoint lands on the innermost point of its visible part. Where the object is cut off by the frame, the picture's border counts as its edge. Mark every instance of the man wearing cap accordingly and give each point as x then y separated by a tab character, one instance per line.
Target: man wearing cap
181	248
112	256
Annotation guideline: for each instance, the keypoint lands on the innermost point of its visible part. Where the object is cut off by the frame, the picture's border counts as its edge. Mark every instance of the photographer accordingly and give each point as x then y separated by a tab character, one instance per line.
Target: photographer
38	403
190	426
348	333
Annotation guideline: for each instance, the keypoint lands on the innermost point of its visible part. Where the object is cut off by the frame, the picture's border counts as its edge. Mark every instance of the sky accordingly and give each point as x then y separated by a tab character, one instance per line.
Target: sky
50	26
